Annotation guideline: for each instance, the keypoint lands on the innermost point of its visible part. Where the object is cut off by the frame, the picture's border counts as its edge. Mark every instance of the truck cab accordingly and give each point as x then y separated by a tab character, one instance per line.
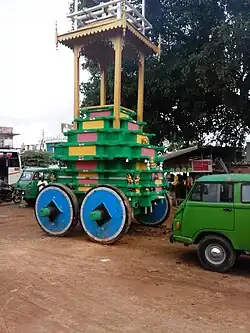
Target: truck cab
29	180
216	216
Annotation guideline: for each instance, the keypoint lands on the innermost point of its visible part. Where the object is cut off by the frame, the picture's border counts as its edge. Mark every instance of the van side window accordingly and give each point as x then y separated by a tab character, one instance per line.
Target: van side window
245	193
213	192
196	193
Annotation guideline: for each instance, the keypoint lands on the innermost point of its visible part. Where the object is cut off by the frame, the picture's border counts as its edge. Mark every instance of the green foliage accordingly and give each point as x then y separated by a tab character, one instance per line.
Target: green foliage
37	159
201	84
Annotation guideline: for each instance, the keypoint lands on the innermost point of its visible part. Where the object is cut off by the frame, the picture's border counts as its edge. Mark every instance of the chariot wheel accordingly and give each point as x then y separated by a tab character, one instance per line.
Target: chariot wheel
56	210
105	214
160	212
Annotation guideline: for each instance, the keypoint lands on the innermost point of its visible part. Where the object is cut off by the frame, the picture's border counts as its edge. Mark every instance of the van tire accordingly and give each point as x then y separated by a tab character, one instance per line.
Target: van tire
220	262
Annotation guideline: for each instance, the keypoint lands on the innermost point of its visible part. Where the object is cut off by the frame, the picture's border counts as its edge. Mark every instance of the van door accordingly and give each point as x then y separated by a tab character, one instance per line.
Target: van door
242	217
209	207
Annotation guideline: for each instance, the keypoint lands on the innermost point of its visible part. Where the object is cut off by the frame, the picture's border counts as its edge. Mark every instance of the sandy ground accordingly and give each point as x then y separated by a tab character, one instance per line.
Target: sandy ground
141	284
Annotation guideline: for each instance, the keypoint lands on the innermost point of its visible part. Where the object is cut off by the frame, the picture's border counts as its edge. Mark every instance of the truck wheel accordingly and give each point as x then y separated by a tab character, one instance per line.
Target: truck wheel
216	254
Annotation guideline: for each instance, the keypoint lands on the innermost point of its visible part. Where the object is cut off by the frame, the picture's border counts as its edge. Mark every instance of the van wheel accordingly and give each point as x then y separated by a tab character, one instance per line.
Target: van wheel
216	254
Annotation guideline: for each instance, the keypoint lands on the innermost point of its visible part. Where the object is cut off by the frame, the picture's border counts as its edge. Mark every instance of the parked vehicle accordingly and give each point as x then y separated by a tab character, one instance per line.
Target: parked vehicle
10	165
6	194
216	216
27	186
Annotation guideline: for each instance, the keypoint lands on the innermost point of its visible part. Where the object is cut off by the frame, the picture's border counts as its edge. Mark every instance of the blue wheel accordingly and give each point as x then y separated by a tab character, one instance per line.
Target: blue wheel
160	212
56	210
105	214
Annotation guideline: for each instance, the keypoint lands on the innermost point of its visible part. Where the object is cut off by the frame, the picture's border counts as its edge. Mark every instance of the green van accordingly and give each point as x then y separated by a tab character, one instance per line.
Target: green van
216	216
28	181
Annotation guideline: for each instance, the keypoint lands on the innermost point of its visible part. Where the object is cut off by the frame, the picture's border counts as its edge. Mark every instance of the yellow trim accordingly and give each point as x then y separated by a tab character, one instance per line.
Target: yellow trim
88	175
84	188
82	151
97	107
144	39
103	83
76	84
103	26
158	182
126	109
124	115
118	46
140	98
141	139
91	29
93	124
107	106
141	166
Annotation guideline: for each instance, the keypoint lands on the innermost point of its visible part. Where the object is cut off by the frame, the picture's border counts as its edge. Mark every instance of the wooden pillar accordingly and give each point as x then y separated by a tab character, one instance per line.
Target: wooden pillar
76	83
140	98
103	83
118	45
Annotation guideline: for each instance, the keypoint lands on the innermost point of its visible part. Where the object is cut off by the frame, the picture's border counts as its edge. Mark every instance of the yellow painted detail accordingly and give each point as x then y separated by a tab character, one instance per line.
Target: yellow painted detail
158	182
88	175
141	166
124	115
142	139
93	124
126	109
84	188
82	151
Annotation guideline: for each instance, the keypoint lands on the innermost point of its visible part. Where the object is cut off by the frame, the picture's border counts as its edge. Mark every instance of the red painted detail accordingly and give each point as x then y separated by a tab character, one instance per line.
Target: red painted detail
158	189
86	137
86	165
133	127
148	152
88	181
100	114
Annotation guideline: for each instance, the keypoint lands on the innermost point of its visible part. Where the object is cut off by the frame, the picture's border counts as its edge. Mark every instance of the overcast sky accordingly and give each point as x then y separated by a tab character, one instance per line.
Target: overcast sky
36	81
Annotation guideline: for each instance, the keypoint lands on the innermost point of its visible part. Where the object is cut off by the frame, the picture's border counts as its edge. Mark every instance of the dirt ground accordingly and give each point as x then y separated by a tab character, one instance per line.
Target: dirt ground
141	284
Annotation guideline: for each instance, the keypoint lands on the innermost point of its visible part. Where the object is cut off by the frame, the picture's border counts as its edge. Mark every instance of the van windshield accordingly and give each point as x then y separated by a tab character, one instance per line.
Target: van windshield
26	175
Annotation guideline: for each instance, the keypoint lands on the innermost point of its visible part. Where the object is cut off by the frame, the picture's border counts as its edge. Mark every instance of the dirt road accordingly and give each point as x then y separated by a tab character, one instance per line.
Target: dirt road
142	284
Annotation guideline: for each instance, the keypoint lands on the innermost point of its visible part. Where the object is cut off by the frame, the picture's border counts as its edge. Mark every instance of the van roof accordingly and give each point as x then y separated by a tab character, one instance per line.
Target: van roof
226	177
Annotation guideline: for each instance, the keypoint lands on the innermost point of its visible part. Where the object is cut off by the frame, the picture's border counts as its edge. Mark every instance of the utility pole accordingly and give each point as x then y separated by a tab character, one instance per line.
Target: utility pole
42	142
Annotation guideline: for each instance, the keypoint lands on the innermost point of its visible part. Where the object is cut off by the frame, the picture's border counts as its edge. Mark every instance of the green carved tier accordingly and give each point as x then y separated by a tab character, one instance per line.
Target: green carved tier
97	154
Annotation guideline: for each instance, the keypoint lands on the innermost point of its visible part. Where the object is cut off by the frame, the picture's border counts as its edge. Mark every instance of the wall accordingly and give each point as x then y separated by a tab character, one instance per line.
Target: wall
6	142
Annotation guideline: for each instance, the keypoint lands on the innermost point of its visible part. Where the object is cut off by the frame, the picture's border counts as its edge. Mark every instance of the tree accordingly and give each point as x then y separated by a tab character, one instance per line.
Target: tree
36	159
201	84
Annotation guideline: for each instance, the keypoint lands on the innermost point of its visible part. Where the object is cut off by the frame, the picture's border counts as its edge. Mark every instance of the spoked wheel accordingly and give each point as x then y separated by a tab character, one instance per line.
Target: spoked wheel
56	210
160	212
105	214
216	254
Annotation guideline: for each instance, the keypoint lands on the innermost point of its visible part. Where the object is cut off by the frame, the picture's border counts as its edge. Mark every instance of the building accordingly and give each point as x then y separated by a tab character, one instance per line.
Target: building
6	137
203	160
30	147
49	143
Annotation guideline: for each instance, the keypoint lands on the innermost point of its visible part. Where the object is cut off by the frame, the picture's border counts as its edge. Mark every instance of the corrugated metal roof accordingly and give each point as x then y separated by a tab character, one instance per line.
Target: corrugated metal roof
180	152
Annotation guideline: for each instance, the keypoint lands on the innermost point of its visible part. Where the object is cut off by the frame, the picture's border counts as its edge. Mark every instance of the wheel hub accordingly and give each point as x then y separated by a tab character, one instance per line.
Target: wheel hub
215	254
51	211
100	215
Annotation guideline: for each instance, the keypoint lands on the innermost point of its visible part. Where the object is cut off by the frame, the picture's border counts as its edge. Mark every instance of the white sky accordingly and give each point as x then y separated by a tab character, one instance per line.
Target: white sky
36	81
